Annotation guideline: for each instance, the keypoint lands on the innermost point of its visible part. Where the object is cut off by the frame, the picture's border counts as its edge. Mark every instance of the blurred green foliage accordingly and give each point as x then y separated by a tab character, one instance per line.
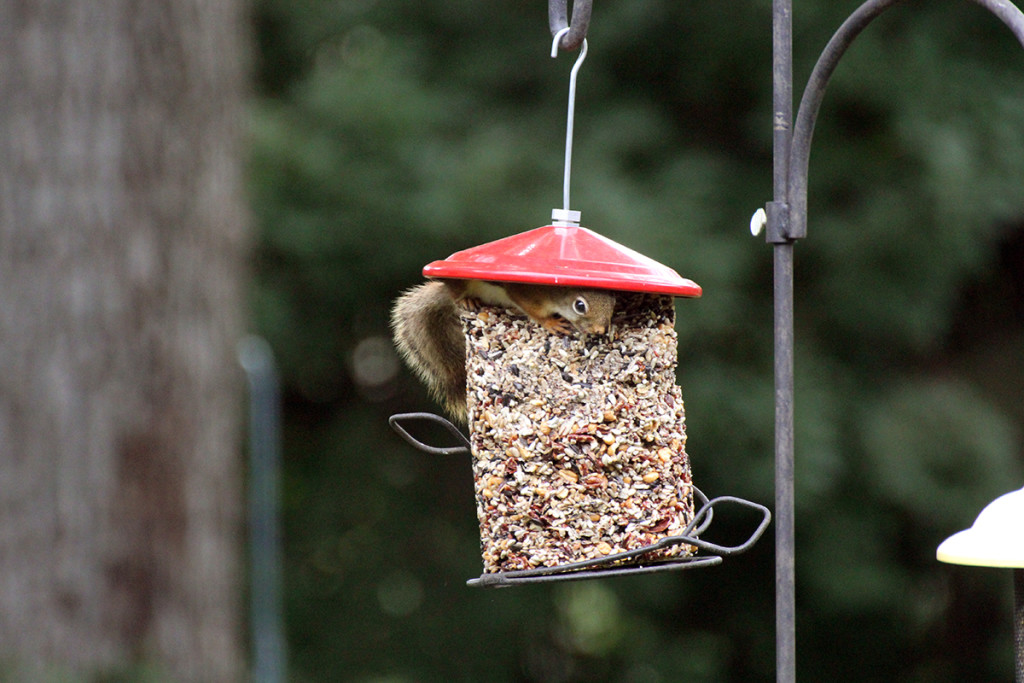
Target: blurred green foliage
389	133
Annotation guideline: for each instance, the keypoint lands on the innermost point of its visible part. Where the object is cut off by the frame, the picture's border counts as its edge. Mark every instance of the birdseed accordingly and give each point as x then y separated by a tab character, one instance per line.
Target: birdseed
578	441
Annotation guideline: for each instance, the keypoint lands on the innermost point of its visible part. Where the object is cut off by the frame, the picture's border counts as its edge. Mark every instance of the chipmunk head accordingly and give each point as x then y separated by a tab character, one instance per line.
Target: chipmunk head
590	310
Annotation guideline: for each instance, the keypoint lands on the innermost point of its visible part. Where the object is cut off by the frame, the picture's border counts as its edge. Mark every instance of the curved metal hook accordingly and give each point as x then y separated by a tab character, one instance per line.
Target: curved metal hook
572	111
810	103
580	22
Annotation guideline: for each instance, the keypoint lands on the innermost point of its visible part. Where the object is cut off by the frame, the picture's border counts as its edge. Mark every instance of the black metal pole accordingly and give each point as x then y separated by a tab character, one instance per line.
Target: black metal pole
1018	622
785	544
268	642
787	223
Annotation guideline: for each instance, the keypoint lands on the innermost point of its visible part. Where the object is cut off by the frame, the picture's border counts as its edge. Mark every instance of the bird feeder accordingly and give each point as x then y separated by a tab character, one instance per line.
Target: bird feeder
578	441
996	539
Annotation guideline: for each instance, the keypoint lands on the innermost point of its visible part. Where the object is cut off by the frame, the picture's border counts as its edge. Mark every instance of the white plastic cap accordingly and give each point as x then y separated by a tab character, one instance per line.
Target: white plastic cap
995	540
758	221
566	218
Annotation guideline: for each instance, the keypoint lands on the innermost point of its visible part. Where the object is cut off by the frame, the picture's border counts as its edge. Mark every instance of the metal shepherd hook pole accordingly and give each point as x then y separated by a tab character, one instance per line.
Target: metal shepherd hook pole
1018	624
785	543
786	220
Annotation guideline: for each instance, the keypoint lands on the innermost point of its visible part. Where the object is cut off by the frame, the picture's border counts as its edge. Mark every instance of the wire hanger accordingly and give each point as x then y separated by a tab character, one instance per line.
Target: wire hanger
567	216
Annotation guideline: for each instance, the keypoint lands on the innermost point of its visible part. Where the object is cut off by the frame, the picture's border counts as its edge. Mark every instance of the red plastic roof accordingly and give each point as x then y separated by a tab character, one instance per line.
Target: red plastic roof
565	256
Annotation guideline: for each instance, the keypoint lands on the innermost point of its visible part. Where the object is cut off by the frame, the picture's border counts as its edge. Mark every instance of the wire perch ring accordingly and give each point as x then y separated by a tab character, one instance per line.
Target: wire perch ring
610	565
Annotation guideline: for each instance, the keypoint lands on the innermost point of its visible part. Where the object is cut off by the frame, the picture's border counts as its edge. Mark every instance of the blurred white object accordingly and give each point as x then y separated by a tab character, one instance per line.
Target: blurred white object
995	540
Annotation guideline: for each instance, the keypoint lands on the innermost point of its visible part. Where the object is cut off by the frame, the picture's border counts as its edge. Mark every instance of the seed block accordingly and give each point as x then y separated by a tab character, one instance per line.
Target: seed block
578	441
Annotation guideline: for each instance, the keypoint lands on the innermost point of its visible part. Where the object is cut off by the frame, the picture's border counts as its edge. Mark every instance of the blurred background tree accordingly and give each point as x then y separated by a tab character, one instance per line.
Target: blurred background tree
123	248
390	133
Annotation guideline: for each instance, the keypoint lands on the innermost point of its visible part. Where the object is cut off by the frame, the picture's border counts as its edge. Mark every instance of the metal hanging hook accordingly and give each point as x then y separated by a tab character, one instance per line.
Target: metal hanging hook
580	22
567	216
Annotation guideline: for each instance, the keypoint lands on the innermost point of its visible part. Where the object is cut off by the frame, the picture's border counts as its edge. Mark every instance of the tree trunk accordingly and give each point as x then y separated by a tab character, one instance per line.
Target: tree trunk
123	238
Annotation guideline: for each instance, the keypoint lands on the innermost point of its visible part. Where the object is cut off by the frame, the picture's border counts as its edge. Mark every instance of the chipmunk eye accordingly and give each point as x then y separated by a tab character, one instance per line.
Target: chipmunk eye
580	306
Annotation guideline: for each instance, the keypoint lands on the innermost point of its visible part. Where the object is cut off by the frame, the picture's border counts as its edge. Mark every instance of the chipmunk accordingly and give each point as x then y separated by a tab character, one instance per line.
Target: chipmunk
428	331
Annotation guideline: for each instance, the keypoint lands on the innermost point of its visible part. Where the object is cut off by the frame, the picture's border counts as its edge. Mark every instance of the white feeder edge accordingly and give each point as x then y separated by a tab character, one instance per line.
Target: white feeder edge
995	540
